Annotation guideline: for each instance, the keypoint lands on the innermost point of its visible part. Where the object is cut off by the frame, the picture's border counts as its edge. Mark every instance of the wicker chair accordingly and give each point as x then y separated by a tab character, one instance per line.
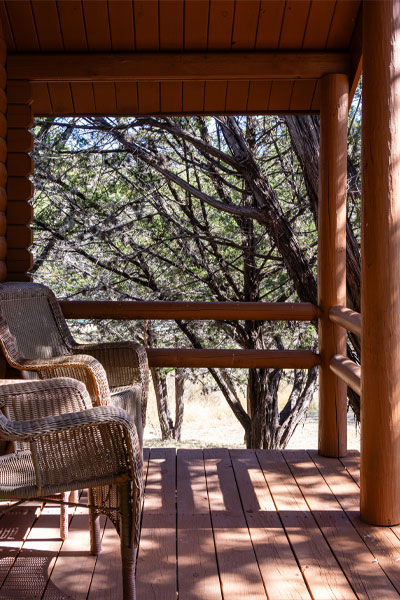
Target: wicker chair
35	338
64	444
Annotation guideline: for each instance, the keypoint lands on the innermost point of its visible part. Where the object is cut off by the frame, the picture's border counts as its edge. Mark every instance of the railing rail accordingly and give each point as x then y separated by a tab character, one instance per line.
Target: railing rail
193	311
347	318
348	371
206	311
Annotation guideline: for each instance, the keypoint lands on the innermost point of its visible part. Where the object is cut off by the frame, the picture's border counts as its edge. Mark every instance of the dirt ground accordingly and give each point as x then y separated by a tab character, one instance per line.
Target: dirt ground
209	422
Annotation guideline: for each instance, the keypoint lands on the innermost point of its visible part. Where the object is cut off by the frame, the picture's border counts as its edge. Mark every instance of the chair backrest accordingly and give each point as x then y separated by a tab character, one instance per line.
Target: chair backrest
34	318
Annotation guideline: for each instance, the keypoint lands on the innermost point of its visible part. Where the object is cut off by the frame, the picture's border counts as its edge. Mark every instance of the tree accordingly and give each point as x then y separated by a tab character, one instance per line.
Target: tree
201	208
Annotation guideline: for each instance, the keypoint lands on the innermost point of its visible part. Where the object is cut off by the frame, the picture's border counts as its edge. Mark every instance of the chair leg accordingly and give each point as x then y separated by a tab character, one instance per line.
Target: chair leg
64	517
94	527
128	550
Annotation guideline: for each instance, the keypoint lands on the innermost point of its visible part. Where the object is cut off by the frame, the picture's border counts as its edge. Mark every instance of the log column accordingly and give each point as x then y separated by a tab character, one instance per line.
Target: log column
20	188
380	300
332	437
3	158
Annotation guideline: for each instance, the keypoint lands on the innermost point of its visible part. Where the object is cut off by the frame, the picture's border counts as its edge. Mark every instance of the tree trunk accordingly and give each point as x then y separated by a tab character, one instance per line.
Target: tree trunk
161	391
179	405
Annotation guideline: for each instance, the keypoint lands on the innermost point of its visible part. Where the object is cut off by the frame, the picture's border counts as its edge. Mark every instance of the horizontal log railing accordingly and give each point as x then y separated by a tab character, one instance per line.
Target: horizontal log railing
347	318
274	359
206	311
192	311
348	371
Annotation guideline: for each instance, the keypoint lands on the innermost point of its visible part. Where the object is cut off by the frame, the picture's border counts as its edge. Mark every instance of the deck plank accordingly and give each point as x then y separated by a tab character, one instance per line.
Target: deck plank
14	529
29	575
239	572
321	571
381	541
365	574
197	566
281	574
156	565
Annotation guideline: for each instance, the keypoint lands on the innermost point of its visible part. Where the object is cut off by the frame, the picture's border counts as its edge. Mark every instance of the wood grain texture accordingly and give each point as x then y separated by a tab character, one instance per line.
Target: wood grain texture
177	66
332	261
380	291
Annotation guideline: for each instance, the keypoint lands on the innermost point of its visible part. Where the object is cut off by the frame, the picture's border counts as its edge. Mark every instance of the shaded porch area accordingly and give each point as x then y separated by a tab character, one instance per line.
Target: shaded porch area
217	523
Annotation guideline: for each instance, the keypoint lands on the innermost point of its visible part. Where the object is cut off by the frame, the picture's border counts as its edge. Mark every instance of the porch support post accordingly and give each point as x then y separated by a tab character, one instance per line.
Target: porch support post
332	438
3	158
380	304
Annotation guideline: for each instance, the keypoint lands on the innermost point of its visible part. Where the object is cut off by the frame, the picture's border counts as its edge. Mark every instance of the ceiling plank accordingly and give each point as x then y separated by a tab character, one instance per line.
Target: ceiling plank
176	66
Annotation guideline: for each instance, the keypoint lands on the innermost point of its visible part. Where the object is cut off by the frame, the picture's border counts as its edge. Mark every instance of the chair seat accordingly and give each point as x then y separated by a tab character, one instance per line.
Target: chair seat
130	399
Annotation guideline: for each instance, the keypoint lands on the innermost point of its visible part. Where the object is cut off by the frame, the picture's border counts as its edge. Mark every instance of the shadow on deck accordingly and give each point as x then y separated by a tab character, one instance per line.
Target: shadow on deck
216	524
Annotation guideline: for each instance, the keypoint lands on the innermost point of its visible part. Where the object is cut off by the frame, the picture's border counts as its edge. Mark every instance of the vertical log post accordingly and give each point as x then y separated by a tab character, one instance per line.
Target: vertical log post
19	188
3	158
380	299
332	436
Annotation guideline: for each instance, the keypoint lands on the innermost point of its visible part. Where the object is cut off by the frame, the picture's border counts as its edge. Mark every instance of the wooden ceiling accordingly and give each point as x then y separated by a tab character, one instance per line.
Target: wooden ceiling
177	26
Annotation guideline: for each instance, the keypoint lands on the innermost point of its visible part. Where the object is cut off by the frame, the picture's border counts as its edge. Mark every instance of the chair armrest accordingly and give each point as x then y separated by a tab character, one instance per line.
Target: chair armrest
81	449
24	400
125	364
80	366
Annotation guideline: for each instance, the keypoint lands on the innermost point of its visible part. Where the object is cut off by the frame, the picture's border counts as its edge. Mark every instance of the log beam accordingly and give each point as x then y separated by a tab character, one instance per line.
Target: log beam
380	298
347	318
192	311
245	359
348	371
188	66
332	430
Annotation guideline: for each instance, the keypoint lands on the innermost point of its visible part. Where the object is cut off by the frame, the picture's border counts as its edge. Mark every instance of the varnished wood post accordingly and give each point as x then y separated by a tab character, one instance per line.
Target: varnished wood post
3	158
332	436
380	303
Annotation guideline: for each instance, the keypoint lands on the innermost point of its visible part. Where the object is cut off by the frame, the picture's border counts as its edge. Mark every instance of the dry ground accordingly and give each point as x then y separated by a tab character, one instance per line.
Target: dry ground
209	422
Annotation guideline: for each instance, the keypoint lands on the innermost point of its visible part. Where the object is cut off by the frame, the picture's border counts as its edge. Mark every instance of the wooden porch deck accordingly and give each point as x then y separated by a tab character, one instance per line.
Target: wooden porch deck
217	524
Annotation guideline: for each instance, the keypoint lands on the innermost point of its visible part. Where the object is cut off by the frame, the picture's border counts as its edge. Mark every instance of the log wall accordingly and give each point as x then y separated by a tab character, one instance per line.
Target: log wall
19	186
3	158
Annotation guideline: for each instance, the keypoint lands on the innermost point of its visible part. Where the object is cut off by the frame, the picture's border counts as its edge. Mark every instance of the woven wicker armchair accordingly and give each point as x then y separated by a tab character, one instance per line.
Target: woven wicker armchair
35	338
64	444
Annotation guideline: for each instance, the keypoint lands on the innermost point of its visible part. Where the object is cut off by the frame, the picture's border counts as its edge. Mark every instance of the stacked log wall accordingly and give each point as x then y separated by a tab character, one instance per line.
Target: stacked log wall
19	186
3	158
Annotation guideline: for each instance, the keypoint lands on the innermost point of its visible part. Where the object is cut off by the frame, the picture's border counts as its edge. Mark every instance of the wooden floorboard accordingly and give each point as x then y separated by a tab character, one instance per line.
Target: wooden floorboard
217	525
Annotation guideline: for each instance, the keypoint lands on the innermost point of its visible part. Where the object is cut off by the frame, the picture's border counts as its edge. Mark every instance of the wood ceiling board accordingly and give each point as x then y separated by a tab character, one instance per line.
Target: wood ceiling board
316	102
280	96
47	25
146	25
294	24
258	98
23	26
237	94
214	96
121	25
127	97
220	24
270	24
149	97
171	97
196	25
41	99
343	22
7	32
70	13
193	97
83	98
104	97
61	97
95	14
319	24
171	25
302	95
245	24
